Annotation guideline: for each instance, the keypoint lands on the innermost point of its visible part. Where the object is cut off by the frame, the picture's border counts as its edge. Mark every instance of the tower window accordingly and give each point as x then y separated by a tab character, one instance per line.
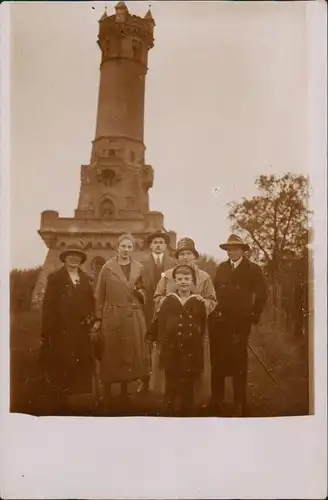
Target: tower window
106	210
132	155
108	177
111	152
136	48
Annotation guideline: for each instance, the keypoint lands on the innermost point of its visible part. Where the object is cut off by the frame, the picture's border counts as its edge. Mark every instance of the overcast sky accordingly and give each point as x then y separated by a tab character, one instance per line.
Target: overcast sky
225	101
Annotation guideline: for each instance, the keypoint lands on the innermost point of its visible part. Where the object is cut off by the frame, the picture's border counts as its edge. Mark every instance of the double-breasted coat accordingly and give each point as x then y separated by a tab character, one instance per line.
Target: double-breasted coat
241	294
66	352
152	275
179	331
205	288
120	306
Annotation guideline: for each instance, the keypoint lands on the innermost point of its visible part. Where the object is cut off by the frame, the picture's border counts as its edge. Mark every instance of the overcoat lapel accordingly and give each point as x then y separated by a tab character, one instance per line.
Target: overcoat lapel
116	269
134	273
64	278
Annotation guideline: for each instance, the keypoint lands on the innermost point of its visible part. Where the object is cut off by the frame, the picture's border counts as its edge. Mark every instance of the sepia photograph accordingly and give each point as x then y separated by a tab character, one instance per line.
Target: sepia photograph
161	260
163	247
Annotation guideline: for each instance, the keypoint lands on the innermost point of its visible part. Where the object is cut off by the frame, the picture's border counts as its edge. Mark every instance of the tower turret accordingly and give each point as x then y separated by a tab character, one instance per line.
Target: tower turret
124	40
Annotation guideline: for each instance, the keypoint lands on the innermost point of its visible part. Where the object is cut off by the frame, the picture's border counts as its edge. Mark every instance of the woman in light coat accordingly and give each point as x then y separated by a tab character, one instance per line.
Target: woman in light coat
120	299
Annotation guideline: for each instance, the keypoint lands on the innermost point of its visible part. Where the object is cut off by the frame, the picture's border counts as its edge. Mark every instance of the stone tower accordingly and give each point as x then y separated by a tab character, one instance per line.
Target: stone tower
114	187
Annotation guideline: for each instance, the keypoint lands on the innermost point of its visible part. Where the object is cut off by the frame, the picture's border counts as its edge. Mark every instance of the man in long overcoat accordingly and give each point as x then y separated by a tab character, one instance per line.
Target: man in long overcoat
154	265
241	294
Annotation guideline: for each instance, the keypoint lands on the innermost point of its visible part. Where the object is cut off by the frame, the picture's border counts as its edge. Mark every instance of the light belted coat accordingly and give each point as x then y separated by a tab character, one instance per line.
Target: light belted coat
125	355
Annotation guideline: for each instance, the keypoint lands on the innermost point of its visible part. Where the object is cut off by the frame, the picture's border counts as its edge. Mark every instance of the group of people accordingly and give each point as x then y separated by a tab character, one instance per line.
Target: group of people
162	322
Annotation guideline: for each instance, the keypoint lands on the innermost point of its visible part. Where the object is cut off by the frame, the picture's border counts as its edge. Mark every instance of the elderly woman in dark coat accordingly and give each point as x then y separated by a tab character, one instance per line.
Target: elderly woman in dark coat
241	295
120	298
68	311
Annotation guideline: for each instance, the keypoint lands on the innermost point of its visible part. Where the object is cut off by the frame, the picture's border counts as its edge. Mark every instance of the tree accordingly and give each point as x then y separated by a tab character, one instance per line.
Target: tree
276	222
22	283
207	263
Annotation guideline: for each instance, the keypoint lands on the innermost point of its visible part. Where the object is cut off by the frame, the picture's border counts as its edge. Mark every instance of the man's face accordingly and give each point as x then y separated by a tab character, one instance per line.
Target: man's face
235	253
158	245
186	257
184	282
73	259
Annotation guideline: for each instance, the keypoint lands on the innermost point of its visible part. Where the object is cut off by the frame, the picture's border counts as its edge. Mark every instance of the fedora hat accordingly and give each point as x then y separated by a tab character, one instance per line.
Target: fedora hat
234	241
186	244
158	234
74	247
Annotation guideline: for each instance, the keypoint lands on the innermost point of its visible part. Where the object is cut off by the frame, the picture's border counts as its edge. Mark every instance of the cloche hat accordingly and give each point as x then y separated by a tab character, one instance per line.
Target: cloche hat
74	247
186	244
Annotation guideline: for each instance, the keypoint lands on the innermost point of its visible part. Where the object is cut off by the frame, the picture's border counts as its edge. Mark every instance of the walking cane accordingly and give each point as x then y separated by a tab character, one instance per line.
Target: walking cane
273	378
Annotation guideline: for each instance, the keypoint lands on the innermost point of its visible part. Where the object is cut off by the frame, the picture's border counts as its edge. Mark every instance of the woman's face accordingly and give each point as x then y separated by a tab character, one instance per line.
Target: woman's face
186	257
125	248
73	260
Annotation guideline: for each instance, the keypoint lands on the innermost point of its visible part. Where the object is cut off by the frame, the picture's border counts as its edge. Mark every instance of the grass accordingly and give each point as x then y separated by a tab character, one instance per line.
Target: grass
283	354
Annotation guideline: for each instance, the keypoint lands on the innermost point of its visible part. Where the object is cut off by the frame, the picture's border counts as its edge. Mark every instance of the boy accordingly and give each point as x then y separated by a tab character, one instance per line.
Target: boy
178	330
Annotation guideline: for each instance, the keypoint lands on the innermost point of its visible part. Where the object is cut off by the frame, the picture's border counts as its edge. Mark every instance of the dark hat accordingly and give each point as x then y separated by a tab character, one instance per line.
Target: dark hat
158	234
74	247
184	268
234	241
186	244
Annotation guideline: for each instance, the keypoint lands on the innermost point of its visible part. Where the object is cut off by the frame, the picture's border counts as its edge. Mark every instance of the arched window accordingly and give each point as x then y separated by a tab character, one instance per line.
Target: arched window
106	209
136	48
108	177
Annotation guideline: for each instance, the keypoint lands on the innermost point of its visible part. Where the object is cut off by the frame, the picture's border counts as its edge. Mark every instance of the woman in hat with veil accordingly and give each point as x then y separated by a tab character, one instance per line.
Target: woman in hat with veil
67	314
203	289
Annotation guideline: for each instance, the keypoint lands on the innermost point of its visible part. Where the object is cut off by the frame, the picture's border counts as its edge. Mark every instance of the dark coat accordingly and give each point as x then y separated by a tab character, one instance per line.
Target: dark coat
66	352
241	295
152	275
178	331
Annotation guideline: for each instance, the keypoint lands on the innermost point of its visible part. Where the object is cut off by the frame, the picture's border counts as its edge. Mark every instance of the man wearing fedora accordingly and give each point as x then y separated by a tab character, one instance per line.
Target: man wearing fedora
241	293
154	265
67	359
